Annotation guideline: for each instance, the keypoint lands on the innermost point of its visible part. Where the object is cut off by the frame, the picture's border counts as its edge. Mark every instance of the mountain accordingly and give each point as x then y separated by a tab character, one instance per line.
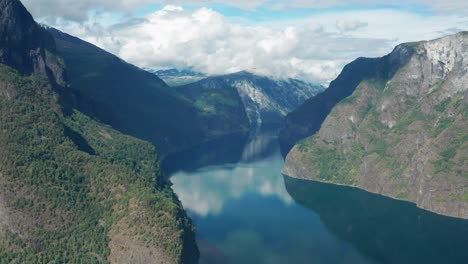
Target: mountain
266	101
139	103
73	190
308	118
22	43
175	77
401	133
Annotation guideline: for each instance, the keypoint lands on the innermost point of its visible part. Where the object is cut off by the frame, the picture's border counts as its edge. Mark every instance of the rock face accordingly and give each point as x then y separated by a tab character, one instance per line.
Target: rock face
24	45
266	101
403	131
308	118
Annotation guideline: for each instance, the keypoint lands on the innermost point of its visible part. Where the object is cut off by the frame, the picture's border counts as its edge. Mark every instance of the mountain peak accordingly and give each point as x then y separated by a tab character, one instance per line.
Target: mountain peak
244	72
15	22
21	39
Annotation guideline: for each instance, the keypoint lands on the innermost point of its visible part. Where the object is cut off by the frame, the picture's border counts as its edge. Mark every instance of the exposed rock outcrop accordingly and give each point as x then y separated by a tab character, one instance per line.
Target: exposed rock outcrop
403	131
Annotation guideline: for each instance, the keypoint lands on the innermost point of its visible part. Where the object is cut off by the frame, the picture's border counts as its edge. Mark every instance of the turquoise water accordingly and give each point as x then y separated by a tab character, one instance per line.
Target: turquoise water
245	211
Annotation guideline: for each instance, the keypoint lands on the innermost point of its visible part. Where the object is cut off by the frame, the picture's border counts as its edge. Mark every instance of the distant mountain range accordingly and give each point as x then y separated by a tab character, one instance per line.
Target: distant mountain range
266	101
175	77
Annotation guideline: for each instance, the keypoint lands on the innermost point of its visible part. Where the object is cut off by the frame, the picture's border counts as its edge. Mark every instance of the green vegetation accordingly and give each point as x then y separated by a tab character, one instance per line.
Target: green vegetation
341	161
216	102
409	118
330	165
442	106
455	131
447	161
378	83
75	182
442	125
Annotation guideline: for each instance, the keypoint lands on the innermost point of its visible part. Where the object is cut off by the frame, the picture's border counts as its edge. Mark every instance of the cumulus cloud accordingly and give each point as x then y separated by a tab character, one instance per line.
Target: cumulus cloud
313	49
207	42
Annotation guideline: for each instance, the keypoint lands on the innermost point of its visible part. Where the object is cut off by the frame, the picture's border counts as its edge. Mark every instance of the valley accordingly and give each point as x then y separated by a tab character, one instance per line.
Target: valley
296	153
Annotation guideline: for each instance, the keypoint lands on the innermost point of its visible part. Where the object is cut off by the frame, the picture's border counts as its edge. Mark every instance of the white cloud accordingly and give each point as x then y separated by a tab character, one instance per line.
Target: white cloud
206	41
79	10
313	49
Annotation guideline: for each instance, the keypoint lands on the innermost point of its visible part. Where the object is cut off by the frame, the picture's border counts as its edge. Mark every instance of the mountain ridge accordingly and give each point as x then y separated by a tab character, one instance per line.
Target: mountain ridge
266	101
402	136
73	190
308	118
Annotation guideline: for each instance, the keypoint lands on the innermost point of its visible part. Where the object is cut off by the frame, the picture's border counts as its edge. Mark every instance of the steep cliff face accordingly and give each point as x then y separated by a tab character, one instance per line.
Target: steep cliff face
73	190
308	118
404	136
24	45
265	101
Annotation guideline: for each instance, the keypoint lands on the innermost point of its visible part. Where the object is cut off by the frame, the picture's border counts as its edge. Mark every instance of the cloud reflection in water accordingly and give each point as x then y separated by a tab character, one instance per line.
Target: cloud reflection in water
206	191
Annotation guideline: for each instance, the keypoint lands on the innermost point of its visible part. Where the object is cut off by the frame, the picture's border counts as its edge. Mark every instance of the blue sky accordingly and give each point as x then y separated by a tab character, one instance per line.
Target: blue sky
265	13
306	39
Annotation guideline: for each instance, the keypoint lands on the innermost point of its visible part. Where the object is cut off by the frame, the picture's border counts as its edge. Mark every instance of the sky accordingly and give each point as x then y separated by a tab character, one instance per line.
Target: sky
310	40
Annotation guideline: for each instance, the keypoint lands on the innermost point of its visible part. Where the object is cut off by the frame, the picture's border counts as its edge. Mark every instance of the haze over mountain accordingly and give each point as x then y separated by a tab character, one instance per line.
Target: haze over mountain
398	127
175	77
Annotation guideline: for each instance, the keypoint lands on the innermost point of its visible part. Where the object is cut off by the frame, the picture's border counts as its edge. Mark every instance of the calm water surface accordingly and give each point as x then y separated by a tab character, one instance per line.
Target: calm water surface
245	211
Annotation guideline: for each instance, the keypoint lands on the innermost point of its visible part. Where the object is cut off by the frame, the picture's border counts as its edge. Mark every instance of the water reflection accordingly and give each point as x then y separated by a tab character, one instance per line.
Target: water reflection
228	149
243	213
261	145
386	230
204	191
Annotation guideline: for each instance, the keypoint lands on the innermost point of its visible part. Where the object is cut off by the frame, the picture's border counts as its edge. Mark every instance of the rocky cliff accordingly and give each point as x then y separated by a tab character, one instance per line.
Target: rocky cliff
402	132
308	118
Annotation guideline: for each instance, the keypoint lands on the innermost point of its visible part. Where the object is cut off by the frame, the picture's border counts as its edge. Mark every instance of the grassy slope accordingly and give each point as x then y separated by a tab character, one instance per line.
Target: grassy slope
75	183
